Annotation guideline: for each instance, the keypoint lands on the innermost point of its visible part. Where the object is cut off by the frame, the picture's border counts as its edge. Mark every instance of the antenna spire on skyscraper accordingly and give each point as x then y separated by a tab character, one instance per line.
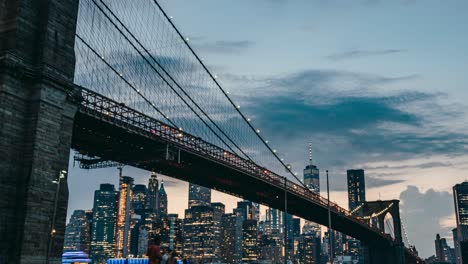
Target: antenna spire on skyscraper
310	153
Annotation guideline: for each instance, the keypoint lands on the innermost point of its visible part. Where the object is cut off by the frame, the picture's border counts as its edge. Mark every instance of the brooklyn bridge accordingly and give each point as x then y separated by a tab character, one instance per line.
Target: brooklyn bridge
118	82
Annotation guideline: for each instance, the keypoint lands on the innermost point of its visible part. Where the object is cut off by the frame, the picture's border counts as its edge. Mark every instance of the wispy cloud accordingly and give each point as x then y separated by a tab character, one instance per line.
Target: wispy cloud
225	46
355	54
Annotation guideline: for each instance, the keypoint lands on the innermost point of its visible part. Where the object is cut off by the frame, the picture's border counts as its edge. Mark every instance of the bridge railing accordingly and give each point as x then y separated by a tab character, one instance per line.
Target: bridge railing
121	115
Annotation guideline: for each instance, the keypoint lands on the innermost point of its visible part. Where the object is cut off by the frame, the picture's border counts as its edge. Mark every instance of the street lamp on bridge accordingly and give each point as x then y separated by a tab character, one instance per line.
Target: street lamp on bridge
52	232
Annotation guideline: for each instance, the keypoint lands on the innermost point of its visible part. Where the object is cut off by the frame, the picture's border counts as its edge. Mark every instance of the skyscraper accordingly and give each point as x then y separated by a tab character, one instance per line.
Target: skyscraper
202	228
460	196
312	174
456	245
124	213
249	241
248	210
139	199
312	181
444	253
309	249
77	232
176	238
231	238
152	196
170	231
162	199
356	188
103	223
198	195
275	217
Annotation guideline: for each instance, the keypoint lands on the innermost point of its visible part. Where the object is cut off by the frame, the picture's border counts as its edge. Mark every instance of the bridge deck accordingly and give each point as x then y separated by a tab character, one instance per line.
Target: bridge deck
112	131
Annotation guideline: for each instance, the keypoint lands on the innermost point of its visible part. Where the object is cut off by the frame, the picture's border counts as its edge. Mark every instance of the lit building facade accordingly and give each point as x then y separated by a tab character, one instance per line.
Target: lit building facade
248	210
77	232
444	253
309	249
139	208
139	199
249	241
275	217
271	237
143	238
202	233
312	181
123	220
460	196
199	195
356	188
231	239
170	230
162	199
152	194
103	224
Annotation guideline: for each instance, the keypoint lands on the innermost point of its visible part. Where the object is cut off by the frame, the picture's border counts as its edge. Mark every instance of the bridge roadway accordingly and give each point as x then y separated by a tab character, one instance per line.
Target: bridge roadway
112	131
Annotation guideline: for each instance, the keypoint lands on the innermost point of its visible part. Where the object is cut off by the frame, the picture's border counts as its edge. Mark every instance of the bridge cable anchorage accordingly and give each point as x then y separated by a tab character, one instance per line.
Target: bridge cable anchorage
227	96
171	78
123	78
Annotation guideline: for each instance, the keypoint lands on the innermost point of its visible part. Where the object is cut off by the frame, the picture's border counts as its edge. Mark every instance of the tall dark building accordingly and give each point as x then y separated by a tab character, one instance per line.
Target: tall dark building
271	236
456	245
249	241
356	188
231	239
309	249
275	217
152	196
247	209
139	199
202	233
135	228
103	223
198	195
444	253
296	226
162	197
460	196
353	249
170	230
77	232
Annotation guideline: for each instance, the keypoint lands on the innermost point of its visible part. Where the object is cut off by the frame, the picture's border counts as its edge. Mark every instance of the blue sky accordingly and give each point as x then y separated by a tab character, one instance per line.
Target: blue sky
379	85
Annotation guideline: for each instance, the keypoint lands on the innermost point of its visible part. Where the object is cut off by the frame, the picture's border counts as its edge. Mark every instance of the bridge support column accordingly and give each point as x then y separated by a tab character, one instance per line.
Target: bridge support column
37	108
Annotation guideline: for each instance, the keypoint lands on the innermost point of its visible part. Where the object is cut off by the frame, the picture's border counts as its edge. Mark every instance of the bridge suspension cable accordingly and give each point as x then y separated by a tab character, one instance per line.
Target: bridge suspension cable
273	152
172	80
405	235
104	27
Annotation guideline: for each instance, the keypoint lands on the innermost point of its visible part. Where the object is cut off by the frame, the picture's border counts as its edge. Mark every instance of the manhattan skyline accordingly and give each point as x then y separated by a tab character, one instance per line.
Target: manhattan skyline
384	96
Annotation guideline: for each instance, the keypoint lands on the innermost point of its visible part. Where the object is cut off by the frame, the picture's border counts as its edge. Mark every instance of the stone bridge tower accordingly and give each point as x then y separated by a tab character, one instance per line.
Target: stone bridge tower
37	109
384	215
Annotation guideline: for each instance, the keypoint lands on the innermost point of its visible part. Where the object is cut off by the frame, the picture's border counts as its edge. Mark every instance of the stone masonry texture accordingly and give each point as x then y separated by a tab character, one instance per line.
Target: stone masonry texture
36	121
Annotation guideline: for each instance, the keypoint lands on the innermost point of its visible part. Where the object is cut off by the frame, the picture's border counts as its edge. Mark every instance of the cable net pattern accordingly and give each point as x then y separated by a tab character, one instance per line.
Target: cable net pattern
130	52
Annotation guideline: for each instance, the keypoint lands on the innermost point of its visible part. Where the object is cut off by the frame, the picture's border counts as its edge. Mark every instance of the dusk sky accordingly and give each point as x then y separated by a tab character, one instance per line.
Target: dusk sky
373	84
